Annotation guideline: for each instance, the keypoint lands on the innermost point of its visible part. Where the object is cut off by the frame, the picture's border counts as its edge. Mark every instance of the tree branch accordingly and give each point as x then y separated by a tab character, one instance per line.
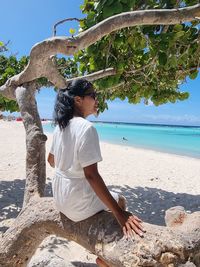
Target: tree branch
142	68
41	52
62	21
96	75
134	18
101	234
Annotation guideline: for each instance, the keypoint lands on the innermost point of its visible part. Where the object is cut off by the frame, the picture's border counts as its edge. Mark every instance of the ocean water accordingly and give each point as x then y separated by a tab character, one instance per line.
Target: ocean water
181	140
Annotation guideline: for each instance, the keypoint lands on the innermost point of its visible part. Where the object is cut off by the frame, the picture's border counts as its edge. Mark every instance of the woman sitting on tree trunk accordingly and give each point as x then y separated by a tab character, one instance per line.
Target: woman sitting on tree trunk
78	189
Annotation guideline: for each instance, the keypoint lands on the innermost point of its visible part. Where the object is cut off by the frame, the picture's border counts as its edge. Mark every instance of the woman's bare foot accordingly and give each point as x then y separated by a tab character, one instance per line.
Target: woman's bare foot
101	263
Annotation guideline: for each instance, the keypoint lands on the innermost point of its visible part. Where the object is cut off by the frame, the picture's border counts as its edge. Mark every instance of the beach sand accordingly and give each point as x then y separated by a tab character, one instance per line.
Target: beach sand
151	181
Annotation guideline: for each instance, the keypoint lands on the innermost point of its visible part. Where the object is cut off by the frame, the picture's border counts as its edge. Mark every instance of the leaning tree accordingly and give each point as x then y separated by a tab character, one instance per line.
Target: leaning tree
140	50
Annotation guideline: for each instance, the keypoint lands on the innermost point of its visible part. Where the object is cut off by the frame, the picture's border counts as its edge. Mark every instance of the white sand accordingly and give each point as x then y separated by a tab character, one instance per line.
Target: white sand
151	181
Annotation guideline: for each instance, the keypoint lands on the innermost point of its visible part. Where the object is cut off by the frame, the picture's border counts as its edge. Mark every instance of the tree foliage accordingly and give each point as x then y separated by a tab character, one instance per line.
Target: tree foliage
151	61
10	66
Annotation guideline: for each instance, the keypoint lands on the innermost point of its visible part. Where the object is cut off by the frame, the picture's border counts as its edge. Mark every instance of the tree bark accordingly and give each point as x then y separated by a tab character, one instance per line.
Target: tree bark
35	142
97	75
161	246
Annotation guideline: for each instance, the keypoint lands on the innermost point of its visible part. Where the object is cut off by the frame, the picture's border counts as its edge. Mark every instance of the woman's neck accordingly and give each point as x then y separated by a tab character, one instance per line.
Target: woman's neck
77	113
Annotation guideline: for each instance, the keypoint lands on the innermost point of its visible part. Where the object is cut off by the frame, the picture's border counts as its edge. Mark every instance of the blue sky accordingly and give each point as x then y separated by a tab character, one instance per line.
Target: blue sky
25	23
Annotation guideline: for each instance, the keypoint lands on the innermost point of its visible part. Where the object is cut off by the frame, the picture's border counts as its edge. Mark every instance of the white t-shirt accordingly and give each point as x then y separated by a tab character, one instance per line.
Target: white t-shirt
76	147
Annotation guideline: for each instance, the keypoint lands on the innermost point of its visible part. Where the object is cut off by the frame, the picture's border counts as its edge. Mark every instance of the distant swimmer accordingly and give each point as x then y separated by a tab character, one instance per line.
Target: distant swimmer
125	139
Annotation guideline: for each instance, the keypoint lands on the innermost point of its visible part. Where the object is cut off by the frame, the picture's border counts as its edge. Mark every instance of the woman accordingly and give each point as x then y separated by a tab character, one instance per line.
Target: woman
78	189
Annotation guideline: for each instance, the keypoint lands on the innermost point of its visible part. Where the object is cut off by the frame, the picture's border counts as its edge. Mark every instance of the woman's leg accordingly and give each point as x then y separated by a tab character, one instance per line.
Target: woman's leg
122	204
101	263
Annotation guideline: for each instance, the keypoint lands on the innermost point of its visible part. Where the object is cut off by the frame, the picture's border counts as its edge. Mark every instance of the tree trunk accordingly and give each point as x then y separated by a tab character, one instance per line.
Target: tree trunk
161	246
35	142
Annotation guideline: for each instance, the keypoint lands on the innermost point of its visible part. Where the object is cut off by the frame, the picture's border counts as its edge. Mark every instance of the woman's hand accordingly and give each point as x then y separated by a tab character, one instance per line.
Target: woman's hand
130	223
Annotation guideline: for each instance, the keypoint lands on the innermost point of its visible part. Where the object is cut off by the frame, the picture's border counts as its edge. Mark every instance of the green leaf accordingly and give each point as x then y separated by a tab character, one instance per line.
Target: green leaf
82	68
131	3
184	95
98	6
109	2
92	64
135	88
178	27
72	31
162	58
82	23
172	61
120	67
107	12
124	1
117	8
111	10
1	43
142	43
179	34
193	74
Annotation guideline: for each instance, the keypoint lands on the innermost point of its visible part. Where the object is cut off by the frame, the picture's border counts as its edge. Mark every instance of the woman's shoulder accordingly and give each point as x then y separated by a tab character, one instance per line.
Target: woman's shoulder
81	123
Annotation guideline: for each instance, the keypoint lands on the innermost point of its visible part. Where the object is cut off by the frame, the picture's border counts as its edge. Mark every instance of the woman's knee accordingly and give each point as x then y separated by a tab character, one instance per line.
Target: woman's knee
122	202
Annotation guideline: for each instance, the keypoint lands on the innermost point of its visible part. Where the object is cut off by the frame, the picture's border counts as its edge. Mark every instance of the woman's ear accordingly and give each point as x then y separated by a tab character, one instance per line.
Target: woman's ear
78	100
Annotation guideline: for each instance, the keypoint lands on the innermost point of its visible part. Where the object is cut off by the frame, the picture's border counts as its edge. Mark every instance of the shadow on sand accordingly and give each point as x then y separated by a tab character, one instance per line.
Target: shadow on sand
148	203
11	199
82	264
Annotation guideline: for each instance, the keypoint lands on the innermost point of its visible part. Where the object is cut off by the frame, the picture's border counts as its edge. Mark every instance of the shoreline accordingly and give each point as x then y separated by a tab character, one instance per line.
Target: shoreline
148	124
149	149
153	145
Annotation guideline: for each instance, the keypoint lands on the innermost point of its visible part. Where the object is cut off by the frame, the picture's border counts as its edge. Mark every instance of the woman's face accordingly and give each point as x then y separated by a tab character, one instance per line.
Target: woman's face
87	105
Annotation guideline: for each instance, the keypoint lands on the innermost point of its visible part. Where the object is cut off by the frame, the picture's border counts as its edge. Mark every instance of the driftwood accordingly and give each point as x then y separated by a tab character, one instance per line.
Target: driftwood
178	244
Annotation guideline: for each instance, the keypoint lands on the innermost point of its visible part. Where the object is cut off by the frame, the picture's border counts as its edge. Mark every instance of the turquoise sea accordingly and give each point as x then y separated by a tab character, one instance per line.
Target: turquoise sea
181	140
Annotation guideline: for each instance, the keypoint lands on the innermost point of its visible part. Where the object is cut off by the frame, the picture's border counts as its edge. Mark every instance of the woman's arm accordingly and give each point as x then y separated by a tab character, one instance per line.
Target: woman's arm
50	159
127	221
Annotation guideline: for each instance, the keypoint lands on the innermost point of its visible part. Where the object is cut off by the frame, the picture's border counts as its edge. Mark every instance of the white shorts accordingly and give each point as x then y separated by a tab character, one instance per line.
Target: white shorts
75	198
